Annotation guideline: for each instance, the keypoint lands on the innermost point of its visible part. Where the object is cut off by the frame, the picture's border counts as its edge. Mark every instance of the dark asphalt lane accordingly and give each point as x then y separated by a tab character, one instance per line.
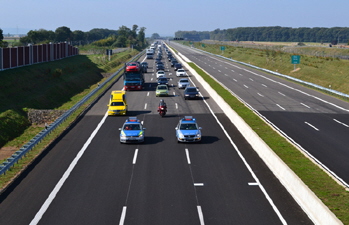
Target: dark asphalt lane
317	122
157	182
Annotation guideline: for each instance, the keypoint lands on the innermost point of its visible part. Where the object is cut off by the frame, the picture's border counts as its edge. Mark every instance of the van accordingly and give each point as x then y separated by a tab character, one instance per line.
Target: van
117	103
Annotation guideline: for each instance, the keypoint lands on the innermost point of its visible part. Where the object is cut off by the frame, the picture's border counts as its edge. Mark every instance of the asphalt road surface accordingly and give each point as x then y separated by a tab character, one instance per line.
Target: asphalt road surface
88	177
317	122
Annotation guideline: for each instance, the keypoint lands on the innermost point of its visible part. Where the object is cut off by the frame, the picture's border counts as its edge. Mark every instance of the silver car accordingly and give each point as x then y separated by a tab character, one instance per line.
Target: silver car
183	83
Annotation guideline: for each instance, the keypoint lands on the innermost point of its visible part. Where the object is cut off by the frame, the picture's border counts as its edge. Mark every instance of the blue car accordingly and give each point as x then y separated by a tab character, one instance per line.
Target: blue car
132	131
188	130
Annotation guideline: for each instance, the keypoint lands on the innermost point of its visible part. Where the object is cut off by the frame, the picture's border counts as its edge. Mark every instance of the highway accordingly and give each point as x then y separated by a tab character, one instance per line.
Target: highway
317	122
88	177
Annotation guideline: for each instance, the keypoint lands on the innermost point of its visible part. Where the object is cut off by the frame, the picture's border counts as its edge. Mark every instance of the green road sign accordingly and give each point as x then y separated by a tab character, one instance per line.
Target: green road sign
295	59
203	45
222	48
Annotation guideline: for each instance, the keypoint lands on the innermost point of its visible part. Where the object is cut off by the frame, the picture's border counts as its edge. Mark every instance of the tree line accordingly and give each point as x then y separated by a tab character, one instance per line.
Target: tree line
123	37
275	33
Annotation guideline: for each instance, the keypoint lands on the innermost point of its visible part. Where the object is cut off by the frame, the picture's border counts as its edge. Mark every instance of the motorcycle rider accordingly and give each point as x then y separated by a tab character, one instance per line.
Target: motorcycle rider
163	105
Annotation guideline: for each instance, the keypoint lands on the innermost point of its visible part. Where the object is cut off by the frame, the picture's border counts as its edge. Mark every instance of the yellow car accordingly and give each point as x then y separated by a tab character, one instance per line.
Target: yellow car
117	103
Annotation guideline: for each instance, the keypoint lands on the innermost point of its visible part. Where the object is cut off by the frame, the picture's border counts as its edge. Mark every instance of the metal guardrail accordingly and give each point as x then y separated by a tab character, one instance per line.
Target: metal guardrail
340	180
5	166
283	75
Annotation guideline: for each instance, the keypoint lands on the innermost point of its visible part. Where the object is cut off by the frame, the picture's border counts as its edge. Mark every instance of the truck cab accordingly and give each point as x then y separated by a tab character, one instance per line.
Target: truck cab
133	76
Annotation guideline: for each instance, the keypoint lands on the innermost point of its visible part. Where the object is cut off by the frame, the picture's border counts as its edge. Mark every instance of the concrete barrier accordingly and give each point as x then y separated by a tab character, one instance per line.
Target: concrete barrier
317	211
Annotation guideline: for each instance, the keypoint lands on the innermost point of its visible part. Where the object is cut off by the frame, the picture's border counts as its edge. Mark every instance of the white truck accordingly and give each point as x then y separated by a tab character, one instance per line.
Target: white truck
150	53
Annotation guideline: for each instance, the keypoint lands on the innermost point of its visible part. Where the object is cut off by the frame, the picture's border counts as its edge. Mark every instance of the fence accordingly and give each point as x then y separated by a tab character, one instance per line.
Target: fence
32	54
7	164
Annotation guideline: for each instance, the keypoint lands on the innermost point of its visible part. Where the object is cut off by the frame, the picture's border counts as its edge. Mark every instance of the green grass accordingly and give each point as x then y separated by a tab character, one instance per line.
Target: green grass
79	73
324	71
31	132
332	194
40	86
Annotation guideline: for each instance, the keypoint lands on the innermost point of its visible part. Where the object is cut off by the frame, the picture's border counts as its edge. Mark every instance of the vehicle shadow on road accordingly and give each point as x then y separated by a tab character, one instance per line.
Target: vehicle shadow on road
149	140
209	139
136	113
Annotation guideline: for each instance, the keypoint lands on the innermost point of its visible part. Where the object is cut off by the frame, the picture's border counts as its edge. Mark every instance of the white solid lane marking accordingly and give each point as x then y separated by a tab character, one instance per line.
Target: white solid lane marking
341	123
201	216
198	184
276	210
135	157
280	107
66	174
187	154
123	215
305	105
253	184
312	126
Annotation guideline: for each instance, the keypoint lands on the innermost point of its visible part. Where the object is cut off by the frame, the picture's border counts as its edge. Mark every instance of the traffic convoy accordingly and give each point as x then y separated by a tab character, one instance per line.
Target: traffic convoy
132	130
88	178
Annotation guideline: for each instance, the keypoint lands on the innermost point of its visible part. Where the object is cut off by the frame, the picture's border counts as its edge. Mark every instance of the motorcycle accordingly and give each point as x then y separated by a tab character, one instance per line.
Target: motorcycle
162	111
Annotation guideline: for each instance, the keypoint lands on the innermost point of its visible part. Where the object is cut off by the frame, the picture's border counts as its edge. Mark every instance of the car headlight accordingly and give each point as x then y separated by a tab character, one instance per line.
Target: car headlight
141	134
180	135
122	134
198	135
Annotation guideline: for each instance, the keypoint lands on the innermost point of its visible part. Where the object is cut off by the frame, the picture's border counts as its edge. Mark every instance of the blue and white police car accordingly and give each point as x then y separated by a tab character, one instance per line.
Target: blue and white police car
132	131
188	130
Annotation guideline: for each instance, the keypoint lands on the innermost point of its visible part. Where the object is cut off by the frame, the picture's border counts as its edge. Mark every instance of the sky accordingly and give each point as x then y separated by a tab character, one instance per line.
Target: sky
165	17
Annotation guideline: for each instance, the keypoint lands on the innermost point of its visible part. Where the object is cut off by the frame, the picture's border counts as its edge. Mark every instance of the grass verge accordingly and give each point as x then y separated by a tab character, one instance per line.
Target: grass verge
334	196
330	72
30	131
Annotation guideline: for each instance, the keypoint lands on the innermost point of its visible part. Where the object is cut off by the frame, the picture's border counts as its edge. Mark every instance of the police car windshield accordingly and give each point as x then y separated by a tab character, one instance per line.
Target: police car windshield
132	127
188	126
